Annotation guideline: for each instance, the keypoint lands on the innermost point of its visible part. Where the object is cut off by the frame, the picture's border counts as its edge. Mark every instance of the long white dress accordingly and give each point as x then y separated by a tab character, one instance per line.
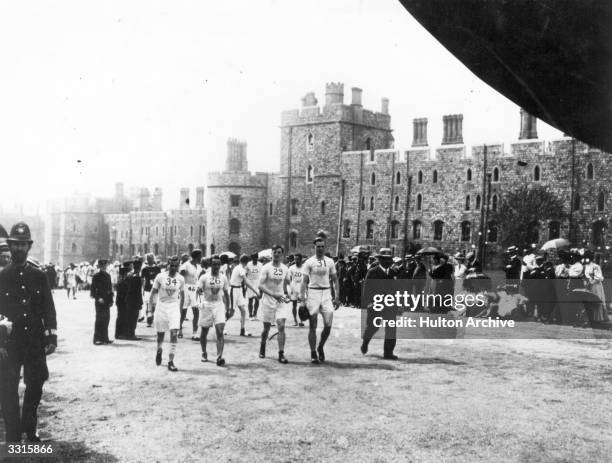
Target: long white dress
594	276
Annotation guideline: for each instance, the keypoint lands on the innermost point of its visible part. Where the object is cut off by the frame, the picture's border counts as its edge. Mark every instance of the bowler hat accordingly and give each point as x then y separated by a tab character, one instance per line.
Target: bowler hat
20	233
385	252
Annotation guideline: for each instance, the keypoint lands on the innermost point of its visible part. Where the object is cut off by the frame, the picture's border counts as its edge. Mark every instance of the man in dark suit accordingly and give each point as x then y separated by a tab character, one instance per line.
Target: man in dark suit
133	300
102	293
121	329
442	275
382	271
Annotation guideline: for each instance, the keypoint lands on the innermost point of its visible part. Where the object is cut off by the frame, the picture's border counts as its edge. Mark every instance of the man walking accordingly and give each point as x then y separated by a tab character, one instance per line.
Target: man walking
295	286
101	292
253	270
237	281
27	303
190	271
148	274
133	299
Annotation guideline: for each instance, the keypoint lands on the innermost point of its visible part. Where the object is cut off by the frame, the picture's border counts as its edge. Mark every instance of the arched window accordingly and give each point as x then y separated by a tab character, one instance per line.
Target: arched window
74	248
419	202
576	202
156	248
420	177
293	239
469	175
322	207
74	227
371	203
477	202
234	226
435	177
373	179
190	230
438	228
271	209
492	232
368	146
396	204
554	229
294	206
146	248
466	229
536	174
156	231
395	230
590	171
346	229
494	203
467	203
398	178
601	201
599	233
309	174
212	249
363	203
121	249
416	230
496	175
369	229
309	141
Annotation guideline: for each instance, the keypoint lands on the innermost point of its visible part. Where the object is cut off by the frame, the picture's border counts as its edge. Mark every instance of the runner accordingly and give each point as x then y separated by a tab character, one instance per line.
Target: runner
295	277
214	287
253	270
237	281
71	280
167	308
275	300
191	271
318	272
148	274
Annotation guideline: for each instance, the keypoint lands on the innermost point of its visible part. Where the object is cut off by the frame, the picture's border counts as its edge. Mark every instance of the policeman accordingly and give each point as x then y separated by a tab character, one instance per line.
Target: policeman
102	293
5	255
26	301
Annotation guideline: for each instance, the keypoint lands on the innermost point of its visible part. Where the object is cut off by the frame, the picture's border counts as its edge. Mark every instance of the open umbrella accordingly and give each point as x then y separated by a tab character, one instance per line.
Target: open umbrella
429	250
229	254
558	243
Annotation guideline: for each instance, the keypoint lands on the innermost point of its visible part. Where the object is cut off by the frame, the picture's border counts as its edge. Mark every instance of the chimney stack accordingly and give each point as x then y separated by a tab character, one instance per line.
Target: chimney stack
528	126
200	197
384	106
334	93
356	96
419	132
157	199
453	129
184	204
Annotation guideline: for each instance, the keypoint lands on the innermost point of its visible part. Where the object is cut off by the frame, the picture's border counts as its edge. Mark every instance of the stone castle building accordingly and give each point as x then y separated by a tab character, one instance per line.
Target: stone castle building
340	172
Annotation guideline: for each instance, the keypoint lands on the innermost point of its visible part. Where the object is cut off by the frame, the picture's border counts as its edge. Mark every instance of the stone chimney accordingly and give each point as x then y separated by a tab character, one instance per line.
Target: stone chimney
200	197
156	204
384	106
334	93
184	204
356	96
528	126
419	132
453	129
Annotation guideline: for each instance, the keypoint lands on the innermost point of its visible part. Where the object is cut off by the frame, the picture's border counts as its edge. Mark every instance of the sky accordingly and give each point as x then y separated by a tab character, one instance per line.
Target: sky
148	92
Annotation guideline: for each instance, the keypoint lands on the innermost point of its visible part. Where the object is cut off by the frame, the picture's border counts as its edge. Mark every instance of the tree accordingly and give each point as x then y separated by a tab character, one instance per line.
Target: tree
523	209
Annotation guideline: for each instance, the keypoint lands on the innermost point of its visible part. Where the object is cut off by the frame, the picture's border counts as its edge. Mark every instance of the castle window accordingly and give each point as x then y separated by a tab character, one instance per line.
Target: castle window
146	248
494	203
156	248
271	210
322	207
156	231
293	239
235	200
599	233
420	177
496	175
141	231
175	229
466	229
416	230
590	171
371	203
469	175
309	174
467	203
373	179
395	230
554	229
396	204
368	146
121	249
419	202
212	249
576	202
190	230
492	232
601	201
435	176
477	202
74	227
438	228
363	203
309	141
346	229
73	248
398	178
536	174
294	206
370	229
234	226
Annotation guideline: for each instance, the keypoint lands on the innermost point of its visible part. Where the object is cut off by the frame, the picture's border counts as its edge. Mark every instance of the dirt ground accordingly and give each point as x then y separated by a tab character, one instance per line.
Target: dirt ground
444	400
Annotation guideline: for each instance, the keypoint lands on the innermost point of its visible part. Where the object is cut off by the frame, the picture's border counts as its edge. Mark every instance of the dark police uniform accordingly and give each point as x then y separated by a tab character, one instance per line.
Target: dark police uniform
102	289
133	299
26	300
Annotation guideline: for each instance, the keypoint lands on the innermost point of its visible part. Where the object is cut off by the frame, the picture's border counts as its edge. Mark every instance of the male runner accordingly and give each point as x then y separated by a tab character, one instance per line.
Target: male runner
274	304
317	273
253	270
148	274
214	287
191	272
167	308
71	282
295	277
237	280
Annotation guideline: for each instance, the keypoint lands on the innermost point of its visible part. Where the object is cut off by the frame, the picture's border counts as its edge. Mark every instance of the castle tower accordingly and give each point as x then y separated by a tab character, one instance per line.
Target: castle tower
306	194
184	199
200	197
236	160
156	204
528	126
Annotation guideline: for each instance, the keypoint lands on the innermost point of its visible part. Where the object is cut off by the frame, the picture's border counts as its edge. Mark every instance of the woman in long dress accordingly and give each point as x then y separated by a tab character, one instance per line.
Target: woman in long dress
594	279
